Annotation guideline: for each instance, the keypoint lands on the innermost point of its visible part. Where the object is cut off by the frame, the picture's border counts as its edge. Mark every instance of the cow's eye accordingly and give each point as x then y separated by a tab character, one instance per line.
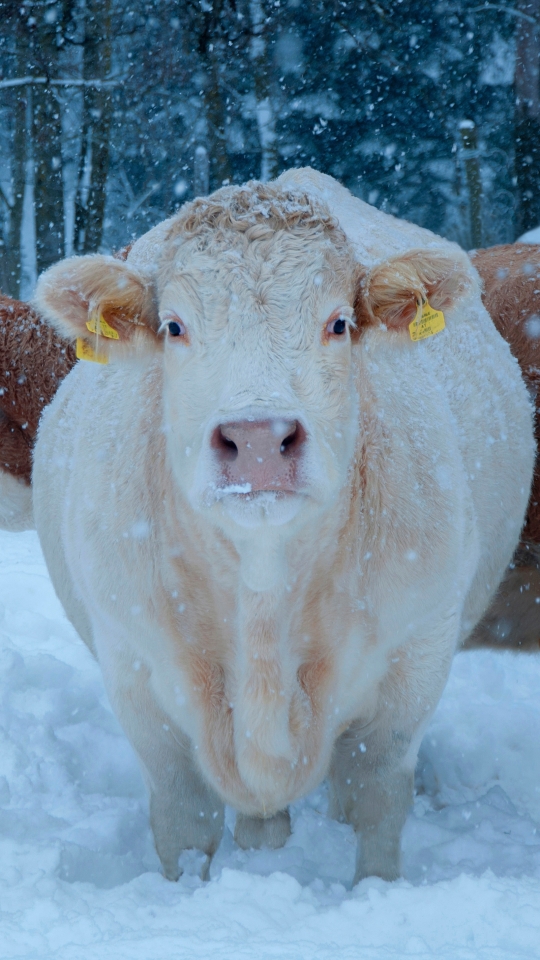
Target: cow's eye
176	328
336	327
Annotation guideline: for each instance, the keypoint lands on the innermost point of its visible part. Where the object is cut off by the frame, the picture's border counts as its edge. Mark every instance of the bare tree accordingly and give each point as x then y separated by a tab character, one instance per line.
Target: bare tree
208	25
10	265
470	159
96	122
265	113
44	29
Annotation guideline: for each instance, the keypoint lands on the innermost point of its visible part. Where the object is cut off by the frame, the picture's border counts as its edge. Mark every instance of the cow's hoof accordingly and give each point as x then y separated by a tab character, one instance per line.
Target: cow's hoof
171	871
254	832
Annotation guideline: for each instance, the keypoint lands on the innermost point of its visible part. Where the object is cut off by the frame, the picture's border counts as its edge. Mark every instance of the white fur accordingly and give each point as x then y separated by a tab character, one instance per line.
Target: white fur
145	252
207	609
374	235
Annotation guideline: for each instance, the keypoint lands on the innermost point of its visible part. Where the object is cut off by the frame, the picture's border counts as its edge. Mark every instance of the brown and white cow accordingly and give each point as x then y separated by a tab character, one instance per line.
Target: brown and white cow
274	516
34	360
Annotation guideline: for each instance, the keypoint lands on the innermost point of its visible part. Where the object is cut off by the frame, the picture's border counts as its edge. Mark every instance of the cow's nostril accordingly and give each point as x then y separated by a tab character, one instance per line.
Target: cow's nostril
288	441
293	440
224	445
229	444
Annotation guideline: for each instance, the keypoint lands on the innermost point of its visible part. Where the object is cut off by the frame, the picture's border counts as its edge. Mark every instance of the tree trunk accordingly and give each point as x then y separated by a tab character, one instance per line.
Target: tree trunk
208	28
527	116
265	111
97	109
471	163
11	253
200	172
47	146
220	168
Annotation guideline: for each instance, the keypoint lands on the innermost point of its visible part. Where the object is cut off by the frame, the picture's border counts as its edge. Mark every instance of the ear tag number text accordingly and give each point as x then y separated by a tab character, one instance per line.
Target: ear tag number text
427	322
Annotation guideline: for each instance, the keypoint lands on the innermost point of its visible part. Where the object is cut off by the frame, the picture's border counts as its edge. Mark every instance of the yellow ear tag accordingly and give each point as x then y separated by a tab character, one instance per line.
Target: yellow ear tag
104	328
84	351
96	324
426	323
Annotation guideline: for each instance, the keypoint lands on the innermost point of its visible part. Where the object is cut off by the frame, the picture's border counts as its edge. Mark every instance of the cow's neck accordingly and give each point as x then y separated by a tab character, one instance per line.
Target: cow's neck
277	632
265	685
264	560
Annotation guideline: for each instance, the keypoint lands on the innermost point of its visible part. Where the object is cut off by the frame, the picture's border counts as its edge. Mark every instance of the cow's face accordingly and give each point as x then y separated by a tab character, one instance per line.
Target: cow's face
250	305
260	404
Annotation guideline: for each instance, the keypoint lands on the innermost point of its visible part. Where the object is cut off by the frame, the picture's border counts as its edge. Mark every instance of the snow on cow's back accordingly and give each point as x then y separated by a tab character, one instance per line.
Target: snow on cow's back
374	235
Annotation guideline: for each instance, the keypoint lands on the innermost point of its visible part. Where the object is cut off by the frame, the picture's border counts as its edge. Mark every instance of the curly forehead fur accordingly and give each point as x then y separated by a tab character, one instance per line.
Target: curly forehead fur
258	222
254	204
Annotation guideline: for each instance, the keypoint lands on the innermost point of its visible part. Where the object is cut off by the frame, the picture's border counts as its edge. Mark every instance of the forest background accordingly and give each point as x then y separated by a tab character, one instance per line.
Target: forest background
114	113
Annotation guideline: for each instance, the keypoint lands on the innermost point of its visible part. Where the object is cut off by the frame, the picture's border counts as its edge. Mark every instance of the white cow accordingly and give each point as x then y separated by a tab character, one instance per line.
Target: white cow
273	516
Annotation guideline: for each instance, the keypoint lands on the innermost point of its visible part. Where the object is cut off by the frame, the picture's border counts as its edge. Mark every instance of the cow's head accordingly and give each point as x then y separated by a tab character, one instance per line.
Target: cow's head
257	306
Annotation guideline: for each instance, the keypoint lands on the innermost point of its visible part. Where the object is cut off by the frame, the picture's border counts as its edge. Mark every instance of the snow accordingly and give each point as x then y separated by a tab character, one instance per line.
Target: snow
532	236
79	879
233	488
373	234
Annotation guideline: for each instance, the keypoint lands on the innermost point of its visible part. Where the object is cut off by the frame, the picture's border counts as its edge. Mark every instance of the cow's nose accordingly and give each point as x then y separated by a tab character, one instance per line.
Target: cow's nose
259	454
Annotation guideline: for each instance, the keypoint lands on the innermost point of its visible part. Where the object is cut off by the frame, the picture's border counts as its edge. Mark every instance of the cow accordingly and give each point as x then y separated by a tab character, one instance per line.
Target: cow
284	502
34	360
510	277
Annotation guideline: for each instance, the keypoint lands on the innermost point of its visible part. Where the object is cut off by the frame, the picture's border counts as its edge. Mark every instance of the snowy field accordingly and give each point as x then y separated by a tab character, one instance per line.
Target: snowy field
79	879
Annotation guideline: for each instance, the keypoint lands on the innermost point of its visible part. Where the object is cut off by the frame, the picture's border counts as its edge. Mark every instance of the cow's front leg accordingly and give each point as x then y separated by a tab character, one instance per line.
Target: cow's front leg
372	769
372	788
255	832
185	813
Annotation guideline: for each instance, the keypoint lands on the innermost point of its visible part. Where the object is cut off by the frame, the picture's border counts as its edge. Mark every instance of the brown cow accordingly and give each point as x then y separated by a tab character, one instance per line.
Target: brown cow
34	360
511	279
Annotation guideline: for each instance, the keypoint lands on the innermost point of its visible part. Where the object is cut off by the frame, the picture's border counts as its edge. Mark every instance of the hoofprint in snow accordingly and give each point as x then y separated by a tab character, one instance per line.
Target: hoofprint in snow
79	879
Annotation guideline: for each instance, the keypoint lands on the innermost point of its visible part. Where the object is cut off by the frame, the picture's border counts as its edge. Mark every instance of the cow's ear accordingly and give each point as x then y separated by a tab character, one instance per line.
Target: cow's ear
391	292
100	300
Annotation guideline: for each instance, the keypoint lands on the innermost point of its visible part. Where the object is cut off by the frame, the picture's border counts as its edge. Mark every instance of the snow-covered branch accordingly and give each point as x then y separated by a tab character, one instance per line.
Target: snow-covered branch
4	198
503	9
25	81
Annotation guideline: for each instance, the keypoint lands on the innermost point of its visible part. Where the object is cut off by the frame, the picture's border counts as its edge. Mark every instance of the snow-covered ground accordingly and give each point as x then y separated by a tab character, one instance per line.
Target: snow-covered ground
79	879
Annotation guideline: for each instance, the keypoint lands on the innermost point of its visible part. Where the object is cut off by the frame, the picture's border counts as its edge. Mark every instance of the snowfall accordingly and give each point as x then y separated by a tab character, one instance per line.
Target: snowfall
79	879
